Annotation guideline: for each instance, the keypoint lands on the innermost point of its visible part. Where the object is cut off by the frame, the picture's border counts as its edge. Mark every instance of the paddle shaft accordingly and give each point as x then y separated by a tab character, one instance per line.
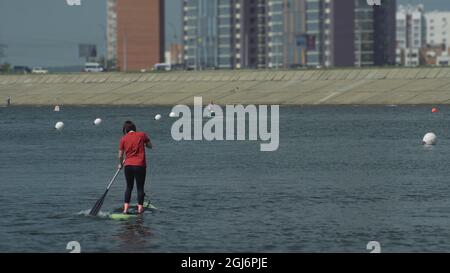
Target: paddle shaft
95	210
113	179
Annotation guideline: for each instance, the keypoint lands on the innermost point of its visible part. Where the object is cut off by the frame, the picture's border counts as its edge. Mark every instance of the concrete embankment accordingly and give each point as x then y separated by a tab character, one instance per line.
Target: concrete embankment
304	87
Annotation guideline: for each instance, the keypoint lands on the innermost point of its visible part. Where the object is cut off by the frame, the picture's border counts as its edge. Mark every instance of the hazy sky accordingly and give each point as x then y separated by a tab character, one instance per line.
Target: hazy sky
47	32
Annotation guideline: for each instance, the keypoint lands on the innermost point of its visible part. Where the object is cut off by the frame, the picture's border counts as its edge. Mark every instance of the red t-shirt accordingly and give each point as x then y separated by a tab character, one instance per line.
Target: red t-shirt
132	144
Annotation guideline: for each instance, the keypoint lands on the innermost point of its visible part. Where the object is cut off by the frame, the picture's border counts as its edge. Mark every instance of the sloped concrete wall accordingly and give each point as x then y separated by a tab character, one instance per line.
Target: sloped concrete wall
309	87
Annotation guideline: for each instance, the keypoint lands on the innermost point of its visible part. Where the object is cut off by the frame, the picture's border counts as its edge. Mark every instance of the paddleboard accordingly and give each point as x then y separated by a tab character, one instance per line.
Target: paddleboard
123	217
132	212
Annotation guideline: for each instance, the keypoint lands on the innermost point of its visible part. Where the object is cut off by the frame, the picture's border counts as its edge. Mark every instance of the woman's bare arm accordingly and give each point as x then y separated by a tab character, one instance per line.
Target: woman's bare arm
120	159
149	144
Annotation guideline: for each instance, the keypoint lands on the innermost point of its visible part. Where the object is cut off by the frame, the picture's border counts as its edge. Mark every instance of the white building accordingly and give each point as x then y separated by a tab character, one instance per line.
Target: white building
411	34
438	28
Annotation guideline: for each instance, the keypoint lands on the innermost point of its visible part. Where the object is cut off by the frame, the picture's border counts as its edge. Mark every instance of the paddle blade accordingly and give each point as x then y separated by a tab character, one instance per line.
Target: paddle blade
96	209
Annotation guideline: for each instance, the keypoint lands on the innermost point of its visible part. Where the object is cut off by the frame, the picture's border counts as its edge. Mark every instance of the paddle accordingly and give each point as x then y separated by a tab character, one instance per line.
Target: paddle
96	209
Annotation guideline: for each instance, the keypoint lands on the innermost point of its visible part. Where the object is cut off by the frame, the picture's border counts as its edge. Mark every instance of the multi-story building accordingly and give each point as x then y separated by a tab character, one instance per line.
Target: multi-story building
111	30
207	45
384	32
288	33
330	28
411	35
224	33
251	38
139	30
438	28
350	33
242	33
286	26
315	12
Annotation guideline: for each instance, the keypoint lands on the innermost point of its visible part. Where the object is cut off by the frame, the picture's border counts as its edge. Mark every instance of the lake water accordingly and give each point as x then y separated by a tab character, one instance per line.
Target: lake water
343	176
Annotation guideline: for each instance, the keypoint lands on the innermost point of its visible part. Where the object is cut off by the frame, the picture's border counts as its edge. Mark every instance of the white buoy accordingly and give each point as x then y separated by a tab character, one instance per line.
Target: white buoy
429	139
172	115
158	117
57	108
97	121
59	125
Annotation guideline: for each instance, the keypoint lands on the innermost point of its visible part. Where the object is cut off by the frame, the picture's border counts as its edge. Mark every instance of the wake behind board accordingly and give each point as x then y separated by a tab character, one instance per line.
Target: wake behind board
132	212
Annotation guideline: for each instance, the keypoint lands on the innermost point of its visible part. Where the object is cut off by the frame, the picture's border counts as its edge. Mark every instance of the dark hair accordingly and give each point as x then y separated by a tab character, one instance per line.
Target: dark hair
128	126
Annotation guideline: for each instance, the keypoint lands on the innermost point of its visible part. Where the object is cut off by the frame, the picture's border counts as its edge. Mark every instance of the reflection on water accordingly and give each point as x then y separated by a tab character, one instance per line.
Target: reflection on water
134	236
428	147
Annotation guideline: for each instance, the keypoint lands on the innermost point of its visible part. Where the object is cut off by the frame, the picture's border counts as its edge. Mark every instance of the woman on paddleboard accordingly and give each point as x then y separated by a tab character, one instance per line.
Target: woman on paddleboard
132	146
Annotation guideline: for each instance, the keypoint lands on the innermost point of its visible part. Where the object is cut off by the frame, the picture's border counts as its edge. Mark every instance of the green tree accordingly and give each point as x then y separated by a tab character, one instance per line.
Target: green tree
5	68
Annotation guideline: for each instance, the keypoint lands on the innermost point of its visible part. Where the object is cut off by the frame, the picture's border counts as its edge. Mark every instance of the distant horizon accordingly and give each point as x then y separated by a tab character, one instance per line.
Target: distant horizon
49	31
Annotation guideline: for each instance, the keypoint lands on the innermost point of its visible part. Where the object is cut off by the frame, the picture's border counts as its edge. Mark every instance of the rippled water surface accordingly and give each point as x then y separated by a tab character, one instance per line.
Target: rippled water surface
343	176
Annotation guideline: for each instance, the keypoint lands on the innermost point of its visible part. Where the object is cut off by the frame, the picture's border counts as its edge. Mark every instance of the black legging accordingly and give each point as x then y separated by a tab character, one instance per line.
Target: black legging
132	173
